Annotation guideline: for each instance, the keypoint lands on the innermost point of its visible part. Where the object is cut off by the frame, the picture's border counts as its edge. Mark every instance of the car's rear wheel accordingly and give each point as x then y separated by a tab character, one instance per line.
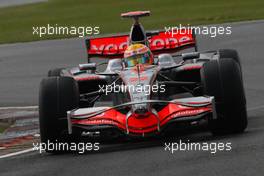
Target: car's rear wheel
222	79
57	96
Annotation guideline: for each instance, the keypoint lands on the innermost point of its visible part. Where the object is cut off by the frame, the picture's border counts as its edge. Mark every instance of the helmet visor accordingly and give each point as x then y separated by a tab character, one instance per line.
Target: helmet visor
137	59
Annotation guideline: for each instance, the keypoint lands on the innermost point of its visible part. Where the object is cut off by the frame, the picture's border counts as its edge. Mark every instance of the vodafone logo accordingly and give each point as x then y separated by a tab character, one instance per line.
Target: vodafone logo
188	113
184	39
109	48
100	121
162	43
156	44
117	44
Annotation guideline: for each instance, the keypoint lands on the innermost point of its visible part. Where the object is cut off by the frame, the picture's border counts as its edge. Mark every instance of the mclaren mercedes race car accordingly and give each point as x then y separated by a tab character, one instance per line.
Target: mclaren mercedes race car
147	98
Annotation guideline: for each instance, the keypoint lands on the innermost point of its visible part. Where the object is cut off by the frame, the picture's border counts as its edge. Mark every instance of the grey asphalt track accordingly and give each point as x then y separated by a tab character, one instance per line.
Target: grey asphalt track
23	65
7	3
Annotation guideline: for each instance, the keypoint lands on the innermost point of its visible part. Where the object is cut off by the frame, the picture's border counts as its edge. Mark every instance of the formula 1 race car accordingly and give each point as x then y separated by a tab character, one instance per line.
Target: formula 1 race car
146	99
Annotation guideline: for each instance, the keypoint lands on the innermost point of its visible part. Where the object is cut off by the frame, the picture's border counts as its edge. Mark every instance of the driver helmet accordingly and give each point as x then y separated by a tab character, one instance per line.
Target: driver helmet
137	54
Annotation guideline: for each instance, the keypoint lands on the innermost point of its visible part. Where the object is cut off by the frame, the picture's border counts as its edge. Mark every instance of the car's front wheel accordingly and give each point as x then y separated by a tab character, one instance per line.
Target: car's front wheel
55	72
57	95
222	79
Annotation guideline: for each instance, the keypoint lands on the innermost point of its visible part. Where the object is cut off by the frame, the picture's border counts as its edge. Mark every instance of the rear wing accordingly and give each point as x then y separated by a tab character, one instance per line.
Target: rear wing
162	42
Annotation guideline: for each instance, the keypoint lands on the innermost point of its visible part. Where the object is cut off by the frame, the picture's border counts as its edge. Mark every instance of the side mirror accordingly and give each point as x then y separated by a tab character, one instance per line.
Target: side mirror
190	56
89	66
165	60
114	65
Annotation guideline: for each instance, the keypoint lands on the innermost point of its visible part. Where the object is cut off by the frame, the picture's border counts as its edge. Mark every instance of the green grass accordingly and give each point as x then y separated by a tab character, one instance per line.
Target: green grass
3	127
16	22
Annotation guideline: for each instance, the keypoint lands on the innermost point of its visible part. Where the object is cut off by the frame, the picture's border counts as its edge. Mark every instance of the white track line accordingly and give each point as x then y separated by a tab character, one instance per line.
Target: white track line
255	108
17	153
18	107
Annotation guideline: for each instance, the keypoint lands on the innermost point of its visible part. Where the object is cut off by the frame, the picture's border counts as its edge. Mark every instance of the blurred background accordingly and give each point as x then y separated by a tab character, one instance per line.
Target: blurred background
16	20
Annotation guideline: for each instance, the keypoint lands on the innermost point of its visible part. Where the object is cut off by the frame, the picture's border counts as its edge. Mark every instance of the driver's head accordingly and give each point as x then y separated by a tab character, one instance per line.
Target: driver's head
137	54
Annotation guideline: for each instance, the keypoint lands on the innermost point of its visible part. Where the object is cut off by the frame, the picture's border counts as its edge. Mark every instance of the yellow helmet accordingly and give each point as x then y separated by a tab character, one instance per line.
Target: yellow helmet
137	54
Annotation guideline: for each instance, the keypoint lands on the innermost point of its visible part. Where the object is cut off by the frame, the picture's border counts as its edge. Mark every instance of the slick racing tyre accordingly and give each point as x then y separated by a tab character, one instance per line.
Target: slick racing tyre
55	72
222	79
229	53
57	96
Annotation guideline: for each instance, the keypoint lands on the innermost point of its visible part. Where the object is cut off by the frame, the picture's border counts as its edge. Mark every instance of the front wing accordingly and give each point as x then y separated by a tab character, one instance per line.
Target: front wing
185	109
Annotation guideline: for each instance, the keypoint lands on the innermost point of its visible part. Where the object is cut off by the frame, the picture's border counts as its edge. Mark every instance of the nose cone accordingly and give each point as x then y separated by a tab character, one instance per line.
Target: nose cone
141	111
